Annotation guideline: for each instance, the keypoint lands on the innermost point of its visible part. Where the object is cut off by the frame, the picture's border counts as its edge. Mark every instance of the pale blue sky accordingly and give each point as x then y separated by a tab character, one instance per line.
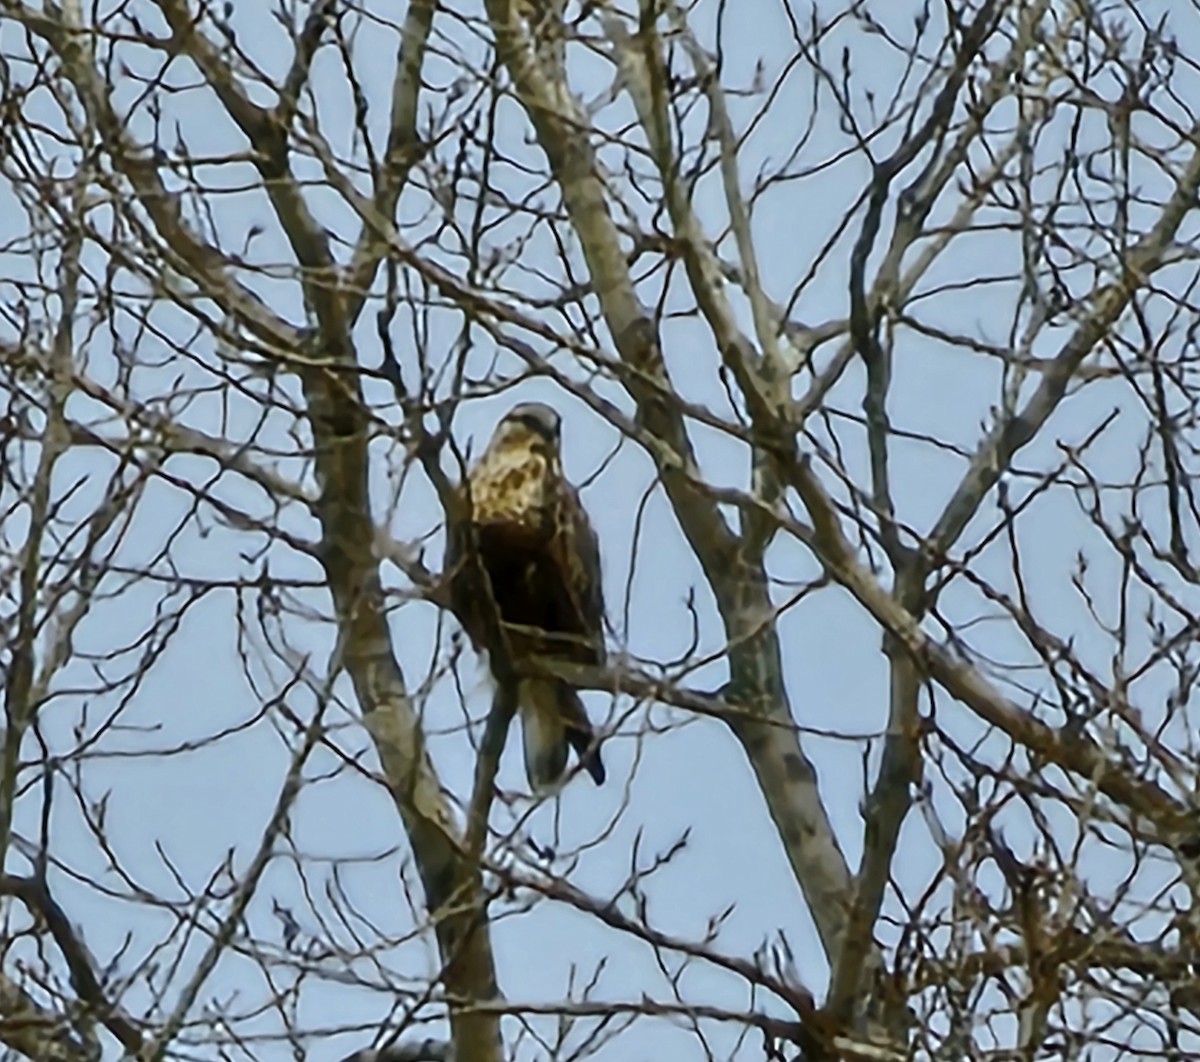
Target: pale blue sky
198	806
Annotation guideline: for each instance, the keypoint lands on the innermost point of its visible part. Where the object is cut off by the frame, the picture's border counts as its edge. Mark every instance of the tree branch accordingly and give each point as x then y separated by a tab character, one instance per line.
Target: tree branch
785	776
35	894
404	149
35	1032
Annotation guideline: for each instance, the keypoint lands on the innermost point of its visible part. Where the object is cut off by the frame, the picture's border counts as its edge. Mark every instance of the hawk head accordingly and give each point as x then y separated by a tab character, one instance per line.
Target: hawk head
516	482
529	425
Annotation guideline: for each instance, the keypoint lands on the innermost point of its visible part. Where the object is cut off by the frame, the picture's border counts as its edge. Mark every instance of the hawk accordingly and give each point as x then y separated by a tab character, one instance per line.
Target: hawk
541	562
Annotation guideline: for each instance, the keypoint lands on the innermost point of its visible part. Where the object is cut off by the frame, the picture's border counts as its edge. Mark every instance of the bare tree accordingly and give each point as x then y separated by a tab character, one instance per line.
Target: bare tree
873	325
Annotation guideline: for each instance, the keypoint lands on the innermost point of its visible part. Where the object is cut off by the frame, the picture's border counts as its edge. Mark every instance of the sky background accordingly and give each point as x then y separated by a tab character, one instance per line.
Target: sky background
180	808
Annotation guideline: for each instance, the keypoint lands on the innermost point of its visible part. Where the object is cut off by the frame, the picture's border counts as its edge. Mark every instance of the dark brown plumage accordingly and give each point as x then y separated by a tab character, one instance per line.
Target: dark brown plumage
541	562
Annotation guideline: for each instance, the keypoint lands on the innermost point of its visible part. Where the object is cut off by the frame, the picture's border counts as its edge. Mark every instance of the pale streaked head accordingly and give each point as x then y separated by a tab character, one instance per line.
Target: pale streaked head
530	418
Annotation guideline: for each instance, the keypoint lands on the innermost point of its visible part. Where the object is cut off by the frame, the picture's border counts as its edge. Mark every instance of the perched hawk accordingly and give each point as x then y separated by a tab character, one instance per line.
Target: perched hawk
540	557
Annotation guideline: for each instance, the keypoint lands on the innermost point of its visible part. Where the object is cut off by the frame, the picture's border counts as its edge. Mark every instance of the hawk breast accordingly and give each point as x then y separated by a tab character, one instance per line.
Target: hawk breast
539	555
511	490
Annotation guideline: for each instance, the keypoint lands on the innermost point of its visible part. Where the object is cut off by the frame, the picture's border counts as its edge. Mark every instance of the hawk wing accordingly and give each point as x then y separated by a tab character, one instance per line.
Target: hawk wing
576	551
543	573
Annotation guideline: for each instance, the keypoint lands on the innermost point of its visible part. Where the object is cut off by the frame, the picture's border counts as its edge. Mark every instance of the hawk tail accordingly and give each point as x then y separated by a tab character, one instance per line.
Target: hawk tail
552	719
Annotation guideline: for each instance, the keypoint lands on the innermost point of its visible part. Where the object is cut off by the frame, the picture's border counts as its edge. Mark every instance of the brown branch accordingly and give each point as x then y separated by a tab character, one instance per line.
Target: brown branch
34	893
320	17
452	883
786	777
452	886
816	1026
1073	751
1013	432
268	138
246	890
900	767
404	150
20	704
33	1031
424	1051
814	1045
